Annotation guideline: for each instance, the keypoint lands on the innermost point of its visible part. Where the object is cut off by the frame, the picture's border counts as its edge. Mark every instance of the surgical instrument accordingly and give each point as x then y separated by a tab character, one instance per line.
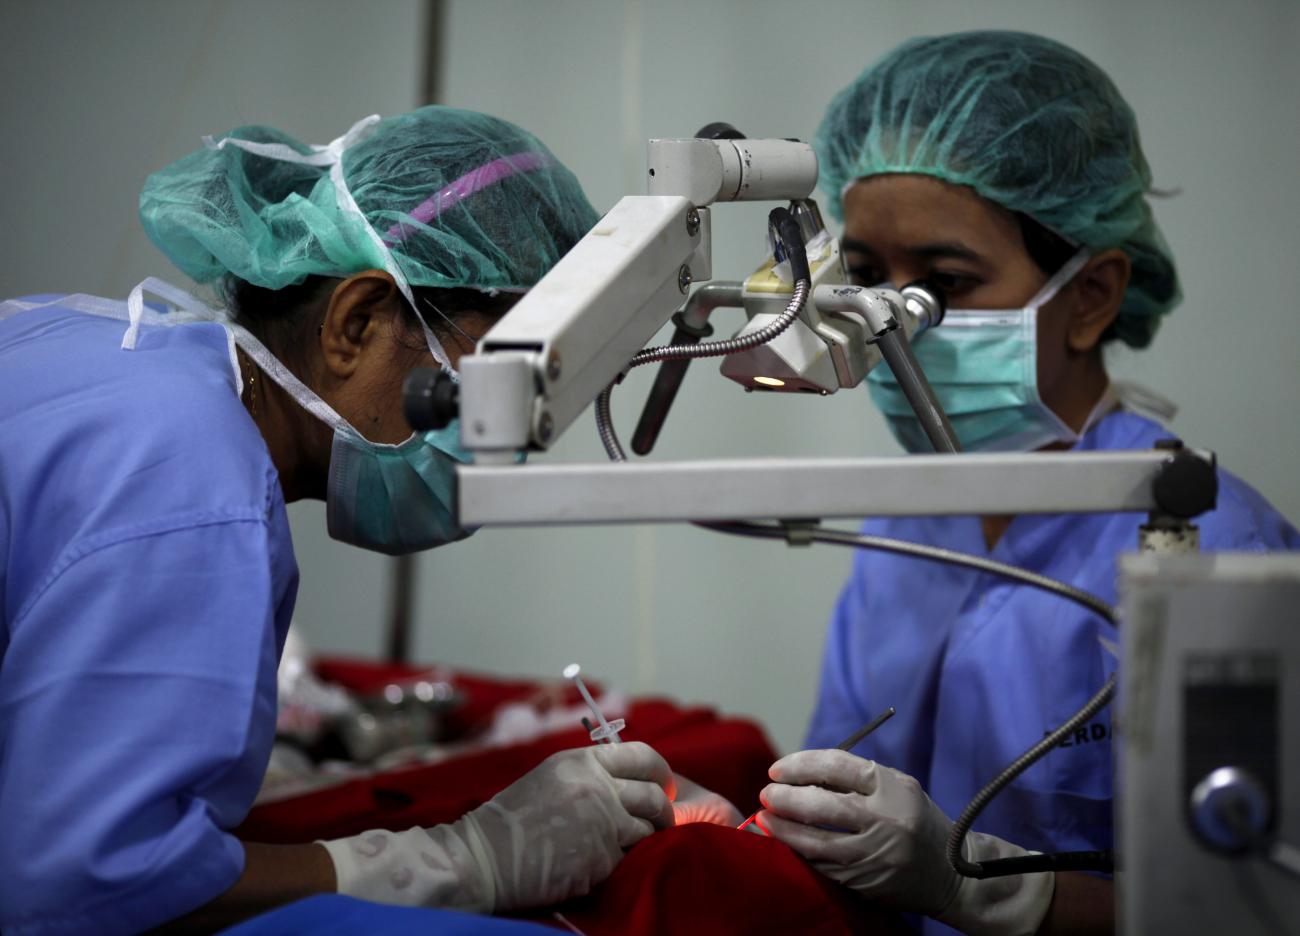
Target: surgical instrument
847	744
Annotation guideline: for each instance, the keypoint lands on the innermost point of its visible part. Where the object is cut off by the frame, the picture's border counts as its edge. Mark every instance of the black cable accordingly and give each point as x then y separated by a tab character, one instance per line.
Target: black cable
790	241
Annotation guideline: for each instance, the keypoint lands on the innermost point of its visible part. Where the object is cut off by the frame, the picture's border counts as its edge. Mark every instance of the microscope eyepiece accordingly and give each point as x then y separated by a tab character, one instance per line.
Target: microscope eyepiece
430	399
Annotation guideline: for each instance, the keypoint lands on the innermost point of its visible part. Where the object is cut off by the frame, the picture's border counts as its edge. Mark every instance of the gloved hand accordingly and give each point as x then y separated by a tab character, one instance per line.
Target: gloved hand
892	844
696	804
551	835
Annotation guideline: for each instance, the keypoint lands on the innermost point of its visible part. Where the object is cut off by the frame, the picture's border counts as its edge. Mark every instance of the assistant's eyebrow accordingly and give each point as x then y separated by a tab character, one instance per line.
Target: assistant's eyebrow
946	249
857	246
932	251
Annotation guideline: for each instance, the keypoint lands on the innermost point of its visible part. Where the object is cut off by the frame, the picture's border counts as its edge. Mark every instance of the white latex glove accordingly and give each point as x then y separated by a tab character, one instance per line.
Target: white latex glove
694	803
892	844
552	835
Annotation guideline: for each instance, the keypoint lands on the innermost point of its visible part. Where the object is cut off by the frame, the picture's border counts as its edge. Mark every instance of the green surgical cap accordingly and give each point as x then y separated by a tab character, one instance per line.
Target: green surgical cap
451	198
1026	122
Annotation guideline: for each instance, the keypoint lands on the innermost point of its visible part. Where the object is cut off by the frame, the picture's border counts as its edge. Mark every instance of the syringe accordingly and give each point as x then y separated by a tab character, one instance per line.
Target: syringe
607	732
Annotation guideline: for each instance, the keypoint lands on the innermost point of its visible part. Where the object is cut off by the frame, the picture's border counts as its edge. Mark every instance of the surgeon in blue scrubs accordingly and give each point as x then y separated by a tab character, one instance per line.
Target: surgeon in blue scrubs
147	578
1004	170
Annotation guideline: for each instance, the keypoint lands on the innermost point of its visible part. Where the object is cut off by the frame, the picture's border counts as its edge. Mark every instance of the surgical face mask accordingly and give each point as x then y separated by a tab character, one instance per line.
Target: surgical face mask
394	499
983	366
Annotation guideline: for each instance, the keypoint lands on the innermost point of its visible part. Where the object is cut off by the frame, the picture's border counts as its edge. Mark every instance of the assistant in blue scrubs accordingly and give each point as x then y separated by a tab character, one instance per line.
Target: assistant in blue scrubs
1004	171
981	668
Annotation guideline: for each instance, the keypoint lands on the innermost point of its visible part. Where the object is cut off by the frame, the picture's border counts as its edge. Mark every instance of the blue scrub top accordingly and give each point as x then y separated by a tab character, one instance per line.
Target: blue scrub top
980	668
147	580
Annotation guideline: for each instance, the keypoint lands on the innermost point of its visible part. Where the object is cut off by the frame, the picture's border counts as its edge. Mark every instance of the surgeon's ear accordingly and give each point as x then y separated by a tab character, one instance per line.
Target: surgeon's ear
358	311
1097	293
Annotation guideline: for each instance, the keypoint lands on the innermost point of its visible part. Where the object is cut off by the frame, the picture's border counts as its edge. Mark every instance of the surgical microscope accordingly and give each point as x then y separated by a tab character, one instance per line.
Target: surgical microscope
1208	756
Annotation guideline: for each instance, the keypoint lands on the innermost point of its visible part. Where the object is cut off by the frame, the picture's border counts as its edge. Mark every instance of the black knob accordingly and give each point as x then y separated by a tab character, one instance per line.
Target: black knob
719	131
1186	486
430	399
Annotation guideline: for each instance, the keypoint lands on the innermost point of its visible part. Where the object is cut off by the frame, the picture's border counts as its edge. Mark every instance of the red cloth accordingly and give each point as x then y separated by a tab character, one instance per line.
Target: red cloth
728	756
692	879
706	879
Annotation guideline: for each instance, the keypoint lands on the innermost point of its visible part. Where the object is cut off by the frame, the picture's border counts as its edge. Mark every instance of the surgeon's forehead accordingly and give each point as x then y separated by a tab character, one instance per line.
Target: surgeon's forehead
900	212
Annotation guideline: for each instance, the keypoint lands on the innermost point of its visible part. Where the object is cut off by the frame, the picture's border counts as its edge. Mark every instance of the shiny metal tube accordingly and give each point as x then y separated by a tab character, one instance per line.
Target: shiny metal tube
897	351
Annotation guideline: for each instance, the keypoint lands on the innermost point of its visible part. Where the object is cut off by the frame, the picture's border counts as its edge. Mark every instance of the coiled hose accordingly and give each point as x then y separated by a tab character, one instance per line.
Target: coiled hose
604	419
1028	864
789	239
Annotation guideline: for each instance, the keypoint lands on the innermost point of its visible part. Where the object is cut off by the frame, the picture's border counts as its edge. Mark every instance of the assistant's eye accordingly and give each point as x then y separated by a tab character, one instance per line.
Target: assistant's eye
951	283
865	275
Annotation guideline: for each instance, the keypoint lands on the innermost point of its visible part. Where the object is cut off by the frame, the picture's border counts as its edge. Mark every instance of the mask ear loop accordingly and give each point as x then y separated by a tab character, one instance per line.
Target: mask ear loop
1045	295
1058	279
287	381
303	395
